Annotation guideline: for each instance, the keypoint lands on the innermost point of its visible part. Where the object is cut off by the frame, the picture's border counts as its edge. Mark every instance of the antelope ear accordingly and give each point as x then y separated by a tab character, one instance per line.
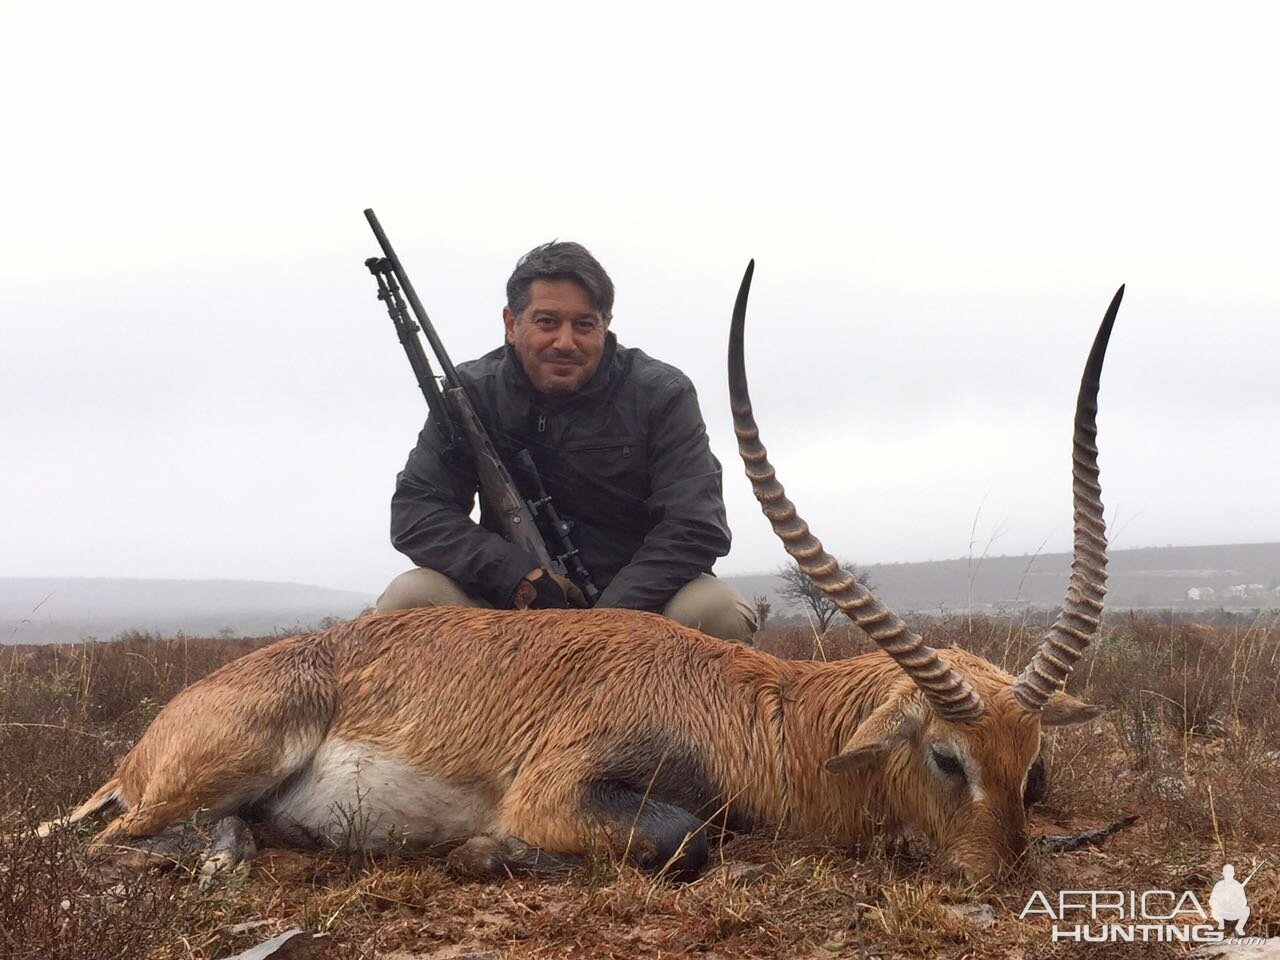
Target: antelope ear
1064	710
849	761
887	724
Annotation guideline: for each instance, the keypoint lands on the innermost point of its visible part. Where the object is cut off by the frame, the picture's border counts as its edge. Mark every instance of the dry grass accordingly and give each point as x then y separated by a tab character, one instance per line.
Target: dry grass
1191	742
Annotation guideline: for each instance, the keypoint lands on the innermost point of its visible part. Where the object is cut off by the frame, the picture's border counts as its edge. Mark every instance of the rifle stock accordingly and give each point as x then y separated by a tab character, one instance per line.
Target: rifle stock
498	492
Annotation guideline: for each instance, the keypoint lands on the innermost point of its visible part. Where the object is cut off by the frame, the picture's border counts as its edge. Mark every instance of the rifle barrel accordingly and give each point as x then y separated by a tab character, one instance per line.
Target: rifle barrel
451	375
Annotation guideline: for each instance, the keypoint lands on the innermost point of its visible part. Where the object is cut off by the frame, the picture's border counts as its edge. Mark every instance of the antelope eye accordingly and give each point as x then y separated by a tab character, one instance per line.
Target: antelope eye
946	763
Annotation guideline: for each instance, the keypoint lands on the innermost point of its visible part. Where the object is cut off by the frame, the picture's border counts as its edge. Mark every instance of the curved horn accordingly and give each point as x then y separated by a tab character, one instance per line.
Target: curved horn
950	694
1082	609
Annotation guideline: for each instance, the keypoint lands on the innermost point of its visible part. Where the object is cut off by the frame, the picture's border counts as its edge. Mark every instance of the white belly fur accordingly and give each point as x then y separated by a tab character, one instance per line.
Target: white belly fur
355	797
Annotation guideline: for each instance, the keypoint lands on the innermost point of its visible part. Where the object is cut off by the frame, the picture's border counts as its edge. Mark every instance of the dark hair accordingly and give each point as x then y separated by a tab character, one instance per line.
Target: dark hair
560	260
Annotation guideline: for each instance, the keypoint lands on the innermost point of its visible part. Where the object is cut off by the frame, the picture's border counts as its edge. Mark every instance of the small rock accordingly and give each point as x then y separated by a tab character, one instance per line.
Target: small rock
247	926
744	873
833	946
1169	788
981	914
291	945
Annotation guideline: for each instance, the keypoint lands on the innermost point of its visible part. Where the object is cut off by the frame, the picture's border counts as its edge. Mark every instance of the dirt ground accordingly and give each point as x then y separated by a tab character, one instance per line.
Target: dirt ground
1190	744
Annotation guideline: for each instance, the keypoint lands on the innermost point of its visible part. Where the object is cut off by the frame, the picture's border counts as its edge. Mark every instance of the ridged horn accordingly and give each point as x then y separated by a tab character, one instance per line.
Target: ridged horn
1082	609
949	693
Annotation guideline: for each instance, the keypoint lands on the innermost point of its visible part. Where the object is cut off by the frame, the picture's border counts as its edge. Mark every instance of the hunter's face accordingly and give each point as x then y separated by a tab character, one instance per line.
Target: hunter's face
559	336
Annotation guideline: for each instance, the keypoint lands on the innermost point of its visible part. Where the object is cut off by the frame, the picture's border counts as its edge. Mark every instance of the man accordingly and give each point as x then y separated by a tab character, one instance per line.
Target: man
621	447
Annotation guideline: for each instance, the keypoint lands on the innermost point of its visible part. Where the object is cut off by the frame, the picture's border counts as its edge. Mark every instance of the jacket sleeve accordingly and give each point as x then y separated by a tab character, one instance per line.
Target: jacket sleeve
431	523
685	507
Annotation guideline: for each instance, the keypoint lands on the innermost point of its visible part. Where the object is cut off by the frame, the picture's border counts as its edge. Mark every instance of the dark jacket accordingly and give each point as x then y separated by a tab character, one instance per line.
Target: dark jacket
626	458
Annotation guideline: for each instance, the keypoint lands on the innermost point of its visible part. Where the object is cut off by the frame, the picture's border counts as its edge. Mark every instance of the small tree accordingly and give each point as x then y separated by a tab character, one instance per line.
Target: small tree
798	588
763	609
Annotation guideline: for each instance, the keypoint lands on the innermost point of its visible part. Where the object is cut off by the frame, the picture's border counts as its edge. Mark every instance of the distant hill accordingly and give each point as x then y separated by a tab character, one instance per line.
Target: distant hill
62	610
46	610
1150	577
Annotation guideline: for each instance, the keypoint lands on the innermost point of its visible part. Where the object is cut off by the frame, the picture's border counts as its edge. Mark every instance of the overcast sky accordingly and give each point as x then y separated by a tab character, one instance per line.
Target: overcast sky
196	379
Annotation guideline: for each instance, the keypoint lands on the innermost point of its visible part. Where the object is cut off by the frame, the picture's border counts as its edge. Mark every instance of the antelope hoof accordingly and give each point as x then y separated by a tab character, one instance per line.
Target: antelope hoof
160	851
231	845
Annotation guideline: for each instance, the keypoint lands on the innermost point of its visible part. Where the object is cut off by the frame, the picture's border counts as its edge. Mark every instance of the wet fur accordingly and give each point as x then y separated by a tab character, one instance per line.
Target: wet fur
570	731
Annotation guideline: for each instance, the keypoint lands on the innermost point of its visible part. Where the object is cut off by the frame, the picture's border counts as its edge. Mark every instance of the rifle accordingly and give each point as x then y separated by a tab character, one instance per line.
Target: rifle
455	413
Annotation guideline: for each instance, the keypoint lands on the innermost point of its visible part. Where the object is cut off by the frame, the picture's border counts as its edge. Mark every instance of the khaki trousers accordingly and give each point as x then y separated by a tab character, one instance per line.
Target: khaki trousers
705	603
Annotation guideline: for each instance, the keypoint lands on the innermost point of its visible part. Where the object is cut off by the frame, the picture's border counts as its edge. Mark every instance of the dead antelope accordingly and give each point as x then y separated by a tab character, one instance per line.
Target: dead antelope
526	739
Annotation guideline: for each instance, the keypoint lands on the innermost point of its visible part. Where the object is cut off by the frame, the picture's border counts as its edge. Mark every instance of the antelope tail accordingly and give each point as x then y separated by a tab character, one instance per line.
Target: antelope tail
106	795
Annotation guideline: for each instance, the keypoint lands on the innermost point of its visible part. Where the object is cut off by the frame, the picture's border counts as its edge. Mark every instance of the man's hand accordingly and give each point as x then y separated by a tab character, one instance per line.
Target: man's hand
541	590
572	594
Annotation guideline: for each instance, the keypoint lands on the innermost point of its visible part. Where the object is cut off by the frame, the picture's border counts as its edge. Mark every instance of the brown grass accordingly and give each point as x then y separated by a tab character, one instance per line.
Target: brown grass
1190	742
